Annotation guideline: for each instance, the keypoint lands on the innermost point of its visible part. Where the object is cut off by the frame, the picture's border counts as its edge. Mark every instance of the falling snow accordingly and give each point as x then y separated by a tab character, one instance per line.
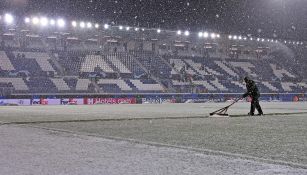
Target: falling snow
268	18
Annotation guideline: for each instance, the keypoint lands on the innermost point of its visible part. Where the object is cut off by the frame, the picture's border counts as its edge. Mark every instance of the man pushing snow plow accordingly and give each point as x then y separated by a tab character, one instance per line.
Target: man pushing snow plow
253	92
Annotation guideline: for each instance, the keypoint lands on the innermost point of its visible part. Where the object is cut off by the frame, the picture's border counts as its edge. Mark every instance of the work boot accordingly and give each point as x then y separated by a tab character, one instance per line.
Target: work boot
260	114
251	114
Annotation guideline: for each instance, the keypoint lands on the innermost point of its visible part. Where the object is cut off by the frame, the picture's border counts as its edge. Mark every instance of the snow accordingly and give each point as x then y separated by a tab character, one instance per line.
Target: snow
153	139
26	150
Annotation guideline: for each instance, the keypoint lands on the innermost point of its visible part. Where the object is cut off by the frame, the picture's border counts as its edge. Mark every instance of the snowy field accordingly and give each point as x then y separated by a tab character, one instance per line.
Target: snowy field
153	139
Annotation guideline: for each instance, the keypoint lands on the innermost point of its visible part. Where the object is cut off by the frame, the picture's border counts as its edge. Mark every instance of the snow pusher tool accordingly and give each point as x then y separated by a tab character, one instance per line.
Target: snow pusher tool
223	111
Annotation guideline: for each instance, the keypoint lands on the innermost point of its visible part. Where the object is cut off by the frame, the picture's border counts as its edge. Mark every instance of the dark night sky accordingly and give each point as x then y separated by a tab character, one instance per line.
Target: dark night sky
258	17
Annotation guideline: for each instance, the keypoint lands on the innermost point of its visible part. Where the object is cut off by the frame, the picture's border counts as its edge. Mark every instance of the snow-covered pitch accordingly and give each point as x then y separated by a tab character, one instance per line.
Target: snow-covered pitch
153	139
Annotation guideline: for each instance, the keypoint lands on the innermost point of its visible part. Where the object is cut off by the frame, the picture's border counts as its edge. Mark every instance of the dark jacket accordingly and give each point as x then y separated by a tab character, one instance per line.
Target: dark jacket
252	89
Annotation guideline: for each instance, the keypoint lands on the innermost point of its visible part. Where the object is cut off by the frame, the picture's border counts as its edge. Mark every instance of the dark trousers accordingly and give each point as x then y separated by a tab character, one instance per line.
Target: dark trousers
255	104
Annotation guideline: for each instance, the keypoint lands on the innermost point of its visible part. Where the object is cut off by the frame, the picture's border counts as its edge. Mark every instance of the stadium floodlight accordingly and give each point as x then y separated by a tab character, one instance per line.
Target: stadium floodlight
61	23
218	36
120	27
206	34
245	38
82	25
74	23
179	32
106	26
44	21
8	18
258	39
229	37
136	29
240	37
251	39
96	26
143	29
127	28
52	22
213	35
200	34
186	33
235	37
262	40
35	20
158	30
89	25
27	20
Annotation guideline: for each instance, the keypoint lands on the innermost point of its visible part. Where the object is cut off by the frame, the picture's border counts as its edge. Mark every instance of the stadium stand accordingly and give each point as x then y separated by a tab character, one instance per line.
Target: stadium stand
123	62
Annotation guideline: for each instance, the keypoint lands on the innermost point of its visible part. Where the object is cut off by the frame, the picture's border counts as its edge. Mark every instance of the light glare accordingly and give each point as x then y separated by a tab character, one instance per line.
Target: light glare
106	26
74	24
82	24
27	20
8	18
44	21
89	25
186	33
35	20
61	23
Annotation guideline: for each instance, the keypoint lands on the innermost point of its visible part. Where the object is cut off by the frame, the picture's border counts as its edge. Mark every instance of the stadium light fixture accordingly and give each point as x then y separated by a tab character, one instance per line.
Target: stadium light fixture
143	29
200	34
251	39
235	37
35	20
230	37
262	40
27	20
245	38
258	39
240	37
52	22
89	25
120	27
44	21
218	36
8	18
186	33
82	25
159	30
106	26
136	29
213	35
206	34
179	32
61	23
127	28
74	23
96	26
